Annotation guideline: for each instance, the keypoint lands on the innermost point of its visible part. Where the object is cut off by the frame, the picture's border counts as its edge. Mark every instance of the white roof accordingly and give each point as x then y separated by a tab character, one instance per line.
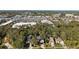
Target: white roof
69	15
6	23
46	21
23	23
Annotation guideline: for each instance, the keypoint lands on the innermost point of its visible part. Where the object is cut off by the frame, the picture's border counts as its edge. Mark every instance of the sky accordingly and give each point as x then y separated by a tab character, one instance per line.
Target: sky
39	4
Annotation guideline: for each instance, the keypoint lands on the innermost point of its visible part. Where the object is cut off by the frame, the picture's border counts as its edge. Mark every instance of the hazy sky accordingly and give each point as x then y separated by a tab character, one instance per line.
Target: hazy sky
39	4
